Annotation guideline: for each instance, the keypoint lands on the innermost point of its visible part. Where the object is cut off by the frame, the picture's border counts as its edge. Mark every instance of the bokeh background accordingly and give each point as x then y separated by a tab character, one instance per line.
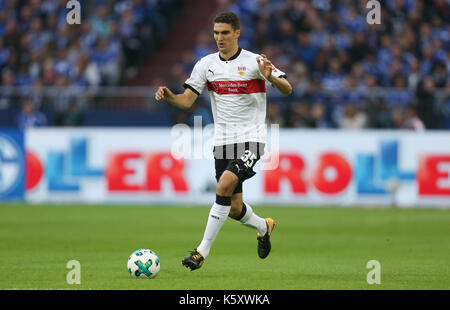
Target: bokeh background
345	72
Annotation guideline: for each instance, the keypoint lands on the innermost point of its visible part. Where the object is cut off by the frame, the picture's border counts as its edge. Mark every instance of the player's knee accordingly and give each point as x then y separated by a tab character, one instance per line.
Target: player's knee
224	188
227	183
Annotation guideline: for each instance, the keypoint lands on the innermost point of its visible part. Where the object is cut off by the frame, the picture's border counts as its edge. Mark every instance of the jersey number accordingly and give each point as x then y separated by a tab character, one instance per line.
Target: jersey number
248	158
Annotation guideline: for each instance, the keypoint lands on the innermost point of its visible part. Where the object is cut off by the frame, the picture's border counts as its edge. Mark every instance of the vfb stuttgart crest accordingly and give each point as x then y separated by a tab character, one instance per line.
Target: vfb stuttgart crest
241	69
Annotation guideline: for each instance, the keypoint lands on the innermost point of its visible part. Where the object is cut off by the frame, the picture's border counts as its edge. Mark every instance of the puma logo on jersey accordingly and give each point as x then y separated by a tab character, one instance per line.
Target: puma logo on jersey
211	71
237	166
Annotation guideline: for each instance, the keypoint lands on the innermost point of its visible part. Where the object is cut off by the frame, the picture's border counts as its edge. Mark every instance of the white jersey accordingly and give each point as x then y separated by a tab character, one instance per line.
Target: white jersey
237	90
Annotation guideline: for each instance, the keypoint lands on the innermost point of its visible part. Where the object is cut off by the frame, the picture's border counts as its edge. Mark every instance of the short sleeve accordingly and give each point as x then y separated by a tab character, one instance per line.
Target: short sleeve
197	81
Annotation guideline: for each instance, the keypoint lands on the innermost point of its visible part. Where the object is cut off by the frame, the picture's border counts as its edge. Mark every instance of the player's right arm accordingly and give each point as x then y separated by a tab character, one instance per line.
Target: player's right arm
183	101
193	85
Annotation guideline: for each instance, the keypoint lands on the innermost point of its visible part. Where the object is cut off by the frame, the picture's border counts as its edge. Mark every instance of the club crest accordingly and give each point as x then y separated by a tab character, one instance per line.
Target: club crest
241	70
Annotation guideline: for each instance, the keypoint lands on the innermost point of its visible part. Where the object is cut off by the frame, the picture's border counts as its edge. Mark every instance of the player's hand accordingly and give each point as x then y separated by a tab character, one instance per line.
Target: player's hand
163	93
265	66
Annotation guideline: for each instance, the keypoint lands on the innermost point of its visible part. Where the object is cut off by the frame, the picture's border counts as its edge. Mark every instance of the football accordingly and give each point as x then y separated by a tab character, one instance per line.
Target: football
143	263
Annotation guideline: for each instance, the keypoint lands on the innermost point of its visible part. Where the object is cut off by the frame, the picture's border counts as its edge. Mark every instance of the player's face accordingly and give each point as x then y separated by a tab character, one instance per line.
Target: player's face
226	38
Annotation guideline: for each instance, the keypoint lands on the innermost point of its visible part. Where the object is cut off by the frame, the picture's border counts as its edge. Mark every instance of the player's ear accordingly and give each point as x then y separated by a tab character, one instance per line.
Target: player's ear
238	33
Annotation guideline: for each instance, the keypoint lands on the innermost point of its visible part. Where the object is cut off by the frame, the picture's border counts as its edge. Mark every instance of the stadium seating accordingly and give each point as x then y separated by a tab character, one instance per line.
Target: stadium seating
345	72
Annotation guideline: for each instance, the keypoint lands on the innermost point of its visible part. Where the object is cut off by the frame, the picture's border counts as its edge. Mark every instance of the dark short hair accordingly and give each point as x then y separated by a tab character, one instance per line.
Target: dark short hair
228	18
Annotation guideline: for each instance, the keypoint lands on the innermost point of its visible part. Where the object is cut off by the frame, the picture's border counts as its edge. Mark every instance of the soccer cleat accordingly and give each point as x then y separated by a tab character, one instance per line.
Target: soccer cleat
264	245
194	261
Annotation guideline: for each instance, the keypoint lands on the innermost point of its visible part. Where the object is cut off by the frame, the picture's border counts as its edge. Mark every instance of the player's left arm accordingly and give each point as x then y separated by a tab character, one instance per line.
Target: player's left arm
280	83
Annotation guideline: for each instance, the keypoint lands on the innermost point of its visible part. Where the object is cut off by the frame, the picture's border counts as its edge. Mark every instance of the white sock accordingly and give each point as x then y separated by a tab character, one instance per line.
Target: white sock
216	218
251	219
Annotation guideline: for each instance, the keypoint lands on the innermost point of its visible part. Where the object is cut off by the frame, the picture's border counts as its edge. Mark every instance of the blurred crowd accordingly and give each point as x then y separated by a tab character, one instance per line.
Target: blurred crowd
39	48
347	73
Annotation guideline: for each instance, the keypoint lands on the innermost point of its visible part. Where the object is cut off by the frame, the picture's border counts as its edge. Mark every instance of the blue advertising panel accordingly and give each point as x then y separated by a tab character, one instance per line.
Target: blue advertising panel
12	165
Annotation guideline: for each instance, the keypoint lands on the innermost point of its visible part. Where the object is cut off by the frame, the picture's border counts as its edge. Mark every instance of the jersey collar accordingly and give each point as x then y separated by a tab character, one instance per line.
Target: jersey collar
232	57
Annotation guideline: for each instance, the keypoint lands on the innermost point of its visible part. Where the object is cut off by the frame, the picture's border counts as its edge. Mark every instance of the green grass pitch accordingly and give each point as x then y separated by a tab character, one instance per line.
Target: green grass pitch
312	248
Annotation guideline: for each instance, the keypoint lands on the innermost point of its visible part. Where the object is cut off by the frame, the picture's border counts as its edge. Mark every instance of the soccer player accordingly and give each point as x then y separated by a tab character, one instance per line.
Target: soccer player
236	81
